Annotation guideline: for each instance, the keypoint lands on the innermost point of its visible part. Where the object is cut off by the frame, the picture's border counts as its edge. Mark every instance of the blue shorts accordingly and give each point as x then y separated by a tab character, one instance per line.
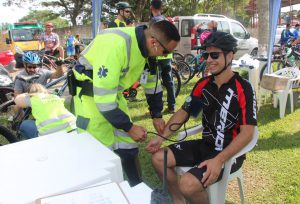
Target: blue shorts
70	50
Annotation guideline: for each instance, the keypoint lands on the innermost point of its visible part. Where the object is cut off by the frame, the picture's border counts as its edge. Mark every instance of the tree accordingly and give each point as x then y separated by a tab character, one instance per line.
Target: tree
72	8
45	16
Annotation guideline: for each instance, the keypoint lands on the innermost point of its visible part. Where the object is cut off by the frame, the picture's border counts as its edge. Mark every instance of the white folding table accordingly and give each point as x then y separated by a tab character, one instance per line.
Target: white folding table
54	164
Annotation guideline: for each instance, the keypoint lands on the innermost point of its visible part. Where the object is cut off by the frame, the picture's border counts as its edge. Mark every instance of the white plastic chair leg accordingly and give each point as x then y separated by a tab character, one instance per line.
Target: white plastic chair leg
240	182
213	194
282	103
292	101
275	101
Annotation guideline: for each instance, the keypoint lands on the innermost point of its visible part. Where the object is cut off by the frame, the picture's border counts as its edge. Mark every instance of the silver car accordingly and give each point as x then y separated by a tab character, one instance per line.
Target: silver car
184	24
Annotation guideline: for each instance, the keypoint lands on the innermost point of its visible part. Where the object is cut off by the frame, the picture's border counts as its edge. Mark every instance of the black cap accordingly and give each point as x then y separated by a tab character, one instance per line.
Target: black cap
156	4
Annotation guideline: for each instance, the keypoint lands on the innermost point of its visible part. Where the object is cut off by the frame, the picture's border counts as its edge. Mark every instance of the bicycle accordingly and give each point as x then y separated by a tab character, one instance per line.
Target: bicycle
6	85
177	56
14	121
281	60
48	61
197	65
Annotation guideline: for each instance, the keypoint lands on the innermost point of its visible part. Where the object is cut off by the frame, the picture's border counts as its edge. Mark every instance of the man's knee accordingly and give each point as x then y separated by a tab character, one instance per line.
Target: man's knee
158	158
189	185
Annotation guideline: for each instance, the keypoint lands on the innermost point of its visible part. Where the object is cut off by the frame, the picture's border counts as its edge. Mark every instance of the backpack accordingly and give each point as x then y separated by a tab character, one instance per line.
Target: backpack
70	41
283	33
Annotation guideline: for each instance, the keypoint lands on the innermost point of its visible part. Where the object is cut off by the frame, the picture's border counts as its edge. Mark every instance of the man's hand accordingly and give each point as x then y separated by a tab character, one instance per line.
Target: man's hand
159	125
213	169
137	133
154	145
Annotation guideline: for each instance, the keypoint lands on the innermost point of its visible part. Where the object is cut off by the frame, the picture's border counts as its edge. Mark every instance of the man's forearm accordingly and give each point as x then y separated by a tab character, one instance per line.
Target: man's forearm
175	122
241	140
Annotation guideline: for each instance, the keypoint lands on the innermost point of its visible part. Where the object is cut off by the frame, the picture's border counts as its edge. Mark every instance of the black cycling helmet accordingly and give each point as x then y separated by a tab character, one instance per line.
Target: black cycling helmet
157	4
122	5
222	40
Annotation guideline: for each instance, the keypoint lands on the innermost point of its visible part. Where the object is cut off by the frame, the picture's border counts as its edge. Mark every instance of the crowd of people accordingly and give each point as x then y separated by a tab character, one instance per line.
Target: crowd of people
143	53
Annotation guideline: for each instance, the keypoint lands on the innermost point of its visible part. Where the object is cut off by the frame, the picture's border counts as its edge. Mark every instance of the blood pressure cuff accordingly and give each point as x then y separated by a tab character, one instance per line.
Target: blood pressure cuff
193	105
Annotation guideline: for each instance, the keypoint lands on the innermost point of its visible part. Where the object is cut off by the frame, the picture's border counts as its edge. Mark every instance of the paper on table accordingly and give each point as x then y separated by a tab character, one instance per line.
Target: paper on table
104	194
136	194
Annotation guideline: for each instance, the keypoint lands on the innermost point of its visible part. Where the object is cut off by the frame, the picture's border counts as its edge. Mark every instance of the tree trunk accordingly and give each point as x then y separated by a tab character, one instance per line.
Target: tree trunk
263	27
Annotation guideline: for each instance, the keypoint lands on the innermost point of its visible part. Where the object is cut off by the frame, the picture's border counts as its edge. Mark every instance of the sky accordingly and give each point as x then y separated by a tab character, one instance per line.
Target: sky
13	14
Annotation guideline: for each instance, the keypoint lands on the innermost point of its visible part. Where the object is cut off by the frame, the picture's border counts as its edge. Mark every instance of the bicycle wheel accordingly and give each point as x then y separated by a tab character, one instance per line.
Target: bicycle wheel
177	56
4	110
189	58
177	81
276	64
184	71
6	136
6	93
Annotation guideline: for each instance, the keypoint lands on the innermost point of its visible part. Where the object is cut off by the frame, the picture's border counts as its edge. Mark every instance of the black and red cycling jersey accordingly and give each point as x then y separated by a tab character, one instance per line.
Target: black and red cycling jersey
224	108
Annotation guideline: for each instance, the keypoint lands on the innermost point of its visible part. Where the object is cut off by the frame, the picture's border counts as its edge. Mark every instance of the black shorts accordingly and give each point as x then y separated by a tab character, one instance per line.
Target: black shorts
77	49
193	152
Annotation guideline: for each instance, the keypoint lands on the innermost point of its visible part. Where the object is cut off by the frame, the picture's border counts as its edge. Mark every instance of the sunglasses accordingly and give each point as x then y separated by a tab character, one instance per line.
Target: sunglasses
127	11
165	51
31	67
213	55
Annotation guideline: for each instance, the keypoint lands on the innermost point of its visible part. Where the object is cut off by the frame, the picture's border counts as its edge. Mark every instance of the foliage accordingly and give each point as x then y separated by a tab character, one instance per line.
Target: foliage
232	8
45	16
72	8
75	9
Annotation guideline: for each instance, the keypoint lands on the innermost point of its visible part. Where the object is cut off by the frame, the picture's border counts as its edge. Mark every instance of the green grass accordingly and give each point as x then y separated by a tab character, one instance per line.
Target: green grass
272	169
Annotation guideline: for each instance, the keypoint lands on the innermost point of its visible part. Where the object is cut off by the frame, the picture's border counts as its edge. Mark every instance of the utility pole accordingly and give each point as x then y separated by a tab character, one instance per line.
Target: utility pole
96	24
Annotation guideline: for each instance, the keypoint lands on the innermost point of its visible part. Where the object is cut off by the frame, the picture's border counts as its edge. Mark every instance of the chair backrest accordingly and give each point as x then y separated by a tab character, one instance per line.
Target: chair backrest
290	72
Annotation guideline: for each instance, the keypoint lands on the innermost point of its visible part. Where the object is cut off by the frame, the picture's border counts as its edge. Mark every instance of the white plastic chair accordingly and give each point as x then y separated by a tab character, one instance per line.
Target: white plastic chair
282	95
217	191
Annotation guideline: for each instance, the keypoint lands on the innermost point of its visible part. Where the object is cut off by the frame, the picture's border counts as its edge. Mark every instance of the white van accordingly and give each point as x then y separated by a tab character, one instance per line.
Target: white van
184	24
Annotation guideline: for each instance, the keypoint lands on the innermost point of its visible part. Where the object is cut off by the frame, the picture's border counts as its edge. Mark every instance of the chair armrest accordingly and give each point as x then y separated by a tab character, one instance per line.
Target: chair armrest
190	131
249	146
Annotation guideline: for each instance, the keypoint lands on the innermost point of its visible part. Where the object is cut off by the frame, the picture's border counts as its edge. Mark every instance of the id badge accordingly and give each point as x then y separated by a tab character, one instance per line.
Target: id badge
144	77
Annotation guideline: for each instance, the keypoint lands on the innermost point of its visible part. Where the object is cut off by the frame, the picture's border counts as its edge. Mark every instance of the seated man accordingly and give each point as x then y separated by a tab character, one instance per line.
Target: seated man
32	73
228	118
51	42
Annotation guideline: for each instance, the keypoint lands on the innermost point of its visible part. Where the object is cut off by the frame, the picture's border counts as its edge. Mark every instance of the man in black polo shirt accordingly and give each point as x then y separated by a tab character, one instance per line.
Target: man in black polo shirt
228	109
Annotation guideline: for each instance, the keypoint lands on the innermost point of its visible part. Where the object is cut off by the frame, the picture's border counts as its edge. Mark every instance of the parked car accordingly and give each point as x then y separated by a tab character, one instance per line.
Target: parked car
7	59
184	24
